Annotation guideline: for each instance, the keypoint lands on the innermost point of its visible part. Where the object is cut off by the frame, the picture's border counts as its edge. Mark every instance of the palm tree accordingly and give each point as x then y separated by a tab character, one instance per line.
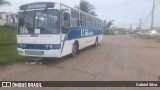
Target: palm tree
107	25
86	7
3	2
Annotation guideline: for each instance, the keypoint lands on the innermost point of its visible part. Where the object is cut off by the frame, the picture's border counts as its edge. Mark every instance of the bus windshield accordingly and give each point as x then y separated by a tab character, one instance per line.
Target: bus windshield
39	22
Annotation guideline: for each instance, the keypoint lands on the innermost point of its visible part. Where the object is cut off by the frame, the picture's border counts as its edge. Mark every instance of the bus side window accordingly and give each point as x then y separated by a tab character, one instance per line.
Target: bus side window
65	22
75	18
89	22
83	20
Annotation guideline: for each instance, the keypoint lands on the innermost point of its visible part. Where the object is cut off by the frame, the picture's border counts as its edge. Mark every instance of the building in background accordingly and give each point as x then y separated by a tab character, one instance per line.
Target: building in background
3	18
8	18
118	31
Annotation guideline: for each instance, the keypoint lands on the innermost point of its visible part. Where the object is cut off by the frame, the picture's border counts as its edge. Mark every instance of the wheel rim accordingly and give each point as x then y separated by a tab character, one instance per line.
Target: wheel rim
96	42
74	50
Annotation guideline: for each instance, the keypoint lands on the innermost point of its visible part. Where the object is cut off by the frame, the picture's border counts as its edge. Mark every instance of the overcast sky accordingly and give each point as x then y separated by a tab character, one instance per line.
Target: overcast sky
123	12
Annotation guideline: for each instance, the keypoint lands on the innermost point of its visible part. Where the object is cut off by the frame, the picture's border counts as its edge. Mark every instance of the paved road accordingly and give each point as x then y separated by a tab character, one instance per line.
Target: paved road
117	58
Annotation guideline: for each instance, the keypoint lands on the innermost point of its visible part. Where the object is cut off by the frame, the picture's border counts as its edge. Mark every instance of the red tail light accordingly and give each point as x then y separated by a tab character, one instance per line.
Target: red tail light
58	46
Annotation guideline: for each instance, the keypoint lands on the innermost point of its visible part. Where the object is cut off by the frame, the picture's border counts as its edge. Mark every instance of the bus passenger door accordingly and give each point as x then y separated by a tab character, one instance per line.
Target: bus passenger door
65	28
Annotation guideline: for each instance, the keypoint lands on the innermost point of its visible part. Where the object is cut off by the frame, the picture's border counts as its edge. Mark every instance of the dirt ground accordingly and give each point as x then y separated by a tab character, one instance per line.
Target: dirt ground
117	58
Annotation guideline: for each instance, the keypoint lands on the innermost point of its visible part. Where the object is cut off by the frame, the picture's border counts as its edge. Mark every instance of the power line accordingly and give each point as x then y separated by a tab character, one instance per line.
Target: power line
140	23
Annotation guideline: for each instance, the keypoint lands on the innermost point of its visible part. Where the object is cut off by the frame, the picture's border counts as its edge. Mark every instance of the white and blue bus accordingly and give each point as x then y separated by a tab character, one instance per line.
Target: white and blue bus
49	29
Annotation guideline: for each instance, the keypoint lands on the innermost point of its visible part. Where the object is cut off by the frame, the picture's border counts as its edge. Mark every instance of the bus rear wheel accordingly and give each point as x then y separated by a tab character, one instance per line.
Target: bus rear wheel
96	42
74	49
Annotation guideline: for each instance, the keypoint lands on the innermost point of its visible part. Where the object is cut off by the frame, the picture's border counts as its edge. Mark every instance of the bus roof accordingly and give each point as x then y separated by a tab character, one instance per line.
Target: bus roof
37	5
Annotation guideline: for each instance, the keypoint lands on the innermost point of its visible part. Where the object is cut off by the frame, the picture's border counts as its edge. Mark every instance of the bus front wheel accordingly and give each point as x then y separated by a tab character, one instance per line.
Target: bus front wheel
74	49
96	42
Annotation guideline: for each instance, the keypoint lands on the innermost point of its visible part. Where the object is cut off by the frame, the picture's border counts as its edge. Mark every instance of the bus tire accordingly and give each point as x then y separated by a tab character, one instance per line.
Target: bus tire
74	50
96	42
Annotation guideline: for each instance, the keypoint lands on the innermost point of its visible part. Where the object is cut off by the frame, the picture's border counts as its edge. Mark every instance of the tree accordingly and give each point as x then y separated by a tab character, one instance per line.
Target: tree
4	2
86	7
107	25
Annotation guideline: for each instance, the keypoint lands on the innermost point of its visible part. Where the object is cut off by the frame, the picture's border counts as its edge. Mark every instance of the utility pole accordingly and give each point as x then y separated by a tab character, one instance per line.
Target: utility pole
131	26
153	8
140	24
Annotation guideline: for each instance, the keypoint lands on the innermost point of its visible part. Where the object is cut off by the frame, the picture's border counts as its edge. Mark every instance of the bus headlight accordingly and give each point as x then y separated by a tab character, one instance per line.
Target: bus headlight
24	45
153	32
56	46
21	45
51	46
47	46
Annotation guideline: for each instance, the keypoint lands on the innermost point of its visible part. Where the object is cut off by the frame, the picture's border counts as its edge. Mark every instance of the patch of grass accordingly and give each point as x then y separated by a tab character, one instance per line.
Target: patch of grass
155	37
8	46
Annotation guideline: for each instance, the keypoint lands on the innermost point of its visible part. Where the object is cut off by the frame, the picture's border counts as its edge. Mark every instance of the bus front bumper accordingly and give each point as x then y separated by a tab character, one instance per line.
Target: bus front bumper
39	53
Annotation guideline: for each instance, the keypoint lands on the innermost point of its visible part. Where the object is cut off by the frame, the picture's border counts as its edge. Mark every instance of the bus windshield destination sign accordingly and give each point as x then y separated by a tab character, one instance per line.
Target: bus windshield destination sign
37	6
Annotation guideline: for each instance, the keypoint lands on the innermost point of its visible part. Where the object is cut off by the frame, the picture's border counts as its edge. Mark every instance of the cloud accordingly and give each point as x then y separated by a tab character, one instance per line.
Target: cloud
122	11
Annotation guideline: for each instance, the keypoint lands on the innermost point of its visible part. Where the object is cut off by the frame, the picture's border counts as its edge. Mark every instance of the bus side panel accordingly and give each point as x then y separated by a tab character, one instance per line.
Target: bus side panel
66	47
82	43
100	37
85	38
94	39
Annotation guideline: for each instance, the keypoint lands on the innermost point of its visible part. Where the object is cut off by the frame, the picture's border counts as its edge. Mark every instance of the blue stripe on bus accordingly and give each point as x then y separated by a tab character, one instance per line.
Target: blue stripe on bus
76	33
38	46
65	38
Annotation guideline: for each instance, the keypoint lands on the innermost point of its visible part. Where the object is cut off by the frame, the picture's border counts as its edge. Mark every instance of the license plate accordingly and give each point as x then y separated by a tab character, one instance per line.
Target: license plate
34	52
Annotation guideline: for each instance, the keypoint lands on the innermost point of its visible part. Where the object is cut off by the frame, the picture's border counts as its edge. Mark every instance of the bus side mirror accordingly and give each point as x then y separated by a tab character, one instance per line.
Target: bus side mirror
65	29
